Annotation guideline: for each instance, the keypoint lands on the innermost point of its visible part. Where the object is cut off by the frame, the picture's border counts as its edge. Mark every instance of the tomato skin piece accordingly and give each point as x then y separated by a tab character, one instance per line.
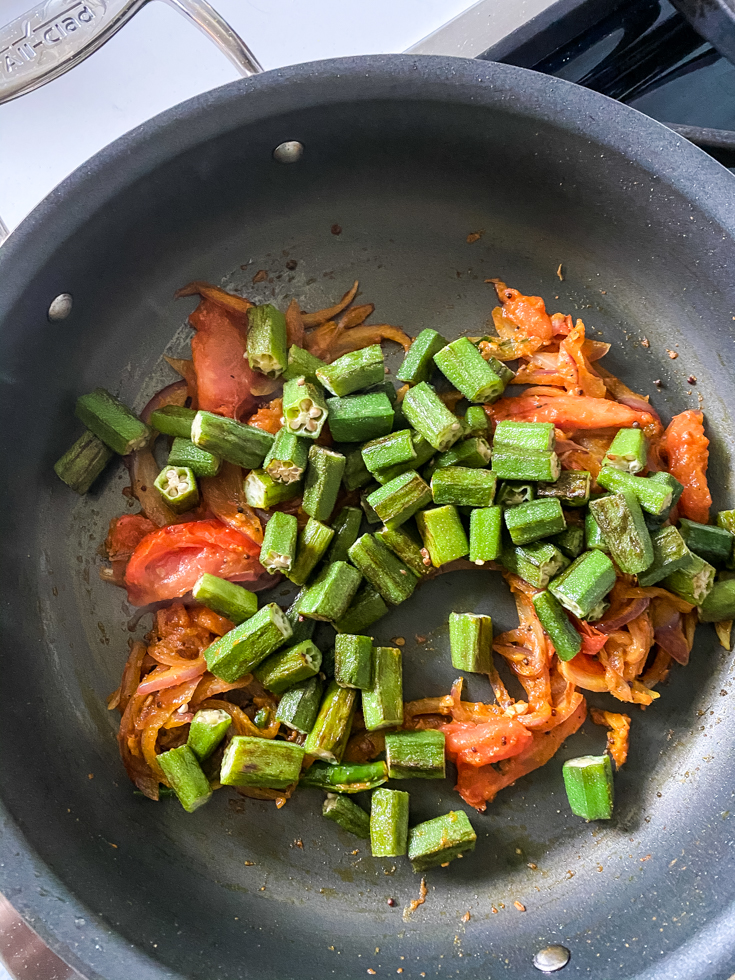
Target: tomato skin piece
475	744
224	378
569	412
123	537
168	561
527	312
687	449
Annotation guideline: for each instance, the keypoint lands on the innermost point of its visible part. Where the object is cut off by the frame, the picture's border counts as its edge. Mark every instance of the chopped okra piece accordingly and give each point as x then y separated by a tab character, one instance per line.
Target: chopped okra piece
200	462
264	762
475	421
443	535
356	474
173	420
185	776
287	457
524	437
178	487
366	608
289	666
441	840
299	705
304	408
583	586
358	418
714	544
209	726
353	661
474	452
519	465
406	547
313	541
692	581
471	642
430	417
511	493
112	422
620	518
588	781
396	447
567	641
415	755
242	649
370	516
328	738
346	777
571	541
323	479
419	361
383	570
226	598
278	551
243	445
677	489
669	553
725	519
398	500
328	598
534	520
424	451
263	492
347	815
463	364
302	364
382	702
536	563
385	387
346	530
463	486
502	370
628	451
353	371
486	527
719	603
303	628
267	340
262	717
593	536
80	465
653	496
571	489
388	822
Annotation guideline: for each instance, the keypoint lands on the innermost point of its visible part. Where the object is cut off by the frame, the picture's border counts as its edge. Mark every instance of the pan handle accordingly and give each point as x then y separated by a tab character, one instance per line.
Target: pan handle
56	35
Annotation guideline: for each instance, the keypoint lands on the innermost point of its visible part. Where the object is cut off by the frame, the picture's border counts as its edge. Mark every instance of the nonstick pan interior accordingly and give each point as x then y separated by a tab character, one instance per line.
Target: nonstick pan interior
407	156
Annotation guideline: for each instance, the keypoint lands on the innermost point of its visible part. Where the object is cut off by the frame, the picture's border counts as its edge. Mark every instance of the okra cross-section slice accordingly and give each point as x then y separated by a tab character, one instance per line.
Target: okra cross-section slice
200	462
419	360
185	777
463	486
692	581
511	493
237	652
471	642
463	364
621	521
405	545
567	641
536	563
178	487
396	447
112	422
353	371
669	553
289	666
571	489
358	418
225	598
313	541
653	496
346	778
328	598
299	705
346	530
278	551
353	661
474	452
263	762
304	408
287	457
382	702
398	500
714	544
588	781
347	815
388	822
443	535
415	755
80	465
438	841
209	726
173	420
302	364
719	603
262	491
430	417
267	346
382	569
585	583
628	451
486	526
519	464
323	479
534	520
243	445
328	738
524	437
365	609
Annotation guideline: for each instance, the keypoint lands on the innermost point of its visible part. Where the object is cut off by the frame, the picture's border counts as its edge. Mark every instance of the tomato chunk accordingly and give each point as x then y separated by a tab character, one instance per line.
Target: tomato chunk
687	449
474	744
224	378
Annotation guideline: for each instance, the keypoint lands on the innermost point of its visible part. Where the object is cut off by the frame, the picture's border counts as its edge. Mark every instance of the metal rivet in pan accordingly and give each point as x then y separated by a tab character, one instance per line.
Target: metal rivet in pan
60	307
551	958
288	152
